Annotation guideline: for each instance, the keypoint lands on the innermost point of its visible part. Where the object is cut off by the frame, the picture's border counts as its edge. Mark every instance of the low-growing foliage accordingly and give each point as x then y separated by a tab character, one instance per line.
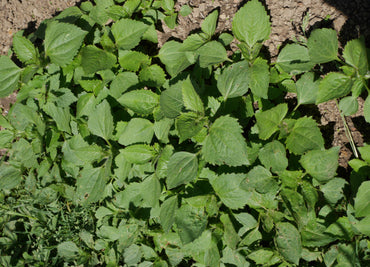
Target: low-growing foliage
122	155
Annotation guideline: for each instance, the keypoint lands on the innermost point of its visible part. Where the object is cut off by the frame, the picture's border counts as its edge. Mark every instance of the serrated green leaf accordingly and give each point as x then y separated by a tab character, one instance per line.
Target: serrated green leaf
152	76
211	53
355	55
321	164
182	168
261	180
225	143
294	59
94	59
288	241
273	155
307	89
138	130
138	154
333	190
190	97
209	24
100	121
341	229
62	42
10	177
268	121
230	237
6	137
334	85
68	250
168	213
9	76
323	45
304	136
140	101
171	102
174	58
259	78
133	60
348	105
251	24
362	201
188	125
123	82
193	42
234	80
90	184
227	188
162	129
85	104
128	33
24	49
61	116
163	158
367	109
247	220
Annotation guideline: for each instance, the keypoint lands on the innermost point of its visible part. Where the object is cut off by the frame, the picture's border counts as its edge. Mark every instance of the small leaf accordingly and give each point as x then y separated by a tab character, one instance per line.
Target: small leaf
62	42
348	105
140	101
251	24
90	185
304	136
362	200
294	59
288	241
261	180
100	121
128	33
211	53
259	78
323	45
234	80
182	168
193	42
9	76
365	153
334	85
167	213
24	49
162	129
138	130
94	59
307	88
152	76
225	143
355	55
209	24
268	121
138	154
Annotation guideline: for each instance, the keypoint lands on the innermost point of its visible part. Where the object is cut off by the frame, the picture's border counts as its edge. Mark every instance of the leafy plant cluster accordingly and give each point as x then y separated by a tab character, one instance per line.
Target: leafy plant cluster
119	154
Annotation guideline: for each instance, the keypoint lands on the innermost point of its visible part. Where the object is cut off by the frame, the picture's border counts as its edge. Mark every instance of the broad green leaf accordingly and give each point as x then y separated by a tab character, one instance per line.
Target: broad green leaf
193	42
168	213
62	42
261	180
348	255
296	206
227	188
364	226
123	82
162	129
273	155
140	101
86	104
341	229
138	154
288	241
225	38
6	138
323	45
334	85
174	58
94	59
191	222
61	116
211	53
234	258
171	102
163	159
259	78
190	97
10	177
362	200
355	55
307	89
294	59
268	121
230	237
188	125
367	109
365	153
225	143
151	191
333	190
348	105
128	33
138	130
313	235
24	49
264	257
133	60
321	164
234	80
304	136
209	24
132	255
182	168
68	250
123	167
152	76
251	24
185	10
9	76
100	121
91	184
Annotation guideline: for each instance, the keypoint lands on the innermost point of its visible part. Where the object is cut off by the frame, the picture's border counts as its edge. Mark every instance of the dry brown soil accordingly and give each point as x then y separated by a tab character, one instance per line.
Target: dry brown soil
349	18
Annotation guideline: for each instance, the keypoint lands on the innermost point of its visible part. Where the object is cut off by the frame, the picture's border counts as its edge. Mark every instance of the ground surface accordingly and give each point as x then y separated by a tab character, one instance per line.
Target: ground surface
348	18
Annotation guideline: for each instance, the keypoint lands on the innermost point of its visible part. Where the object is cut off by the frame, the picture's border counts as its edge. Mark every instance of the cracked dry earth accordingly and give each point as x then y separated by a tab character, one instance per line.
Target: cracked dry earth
349	18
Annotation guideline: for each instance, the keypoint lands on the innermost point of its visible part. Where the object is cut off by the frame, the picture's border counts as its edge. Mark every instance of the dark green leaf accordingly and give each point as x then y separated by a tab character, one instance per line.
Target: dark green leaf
188	125
355	55
168	213
152	76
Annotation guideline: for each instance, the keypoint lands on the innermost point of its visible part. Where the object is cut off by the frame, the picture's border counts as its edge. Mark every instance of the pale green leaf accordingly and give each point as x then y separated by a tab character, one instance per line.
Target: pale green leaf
348	105
365	152
162	129
94	59
341	229
128	33
209	24
247	220
355	55
152	76
151	191
86	104
263	256
211	53
251	24
171	102
123	82
307	89
230	237
261	180
62	42
190	97
288	241
9	76
367	109
68	250
100	121
273	155
188	125
268	121
225	143
294	59
193	42
91	184
138	154
323	45
362	200
182	168
10	177
364	226
133	60
140	101
334	85
6	138
234	258
24	49
259	78
333	190
61	116
168	213
138	130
